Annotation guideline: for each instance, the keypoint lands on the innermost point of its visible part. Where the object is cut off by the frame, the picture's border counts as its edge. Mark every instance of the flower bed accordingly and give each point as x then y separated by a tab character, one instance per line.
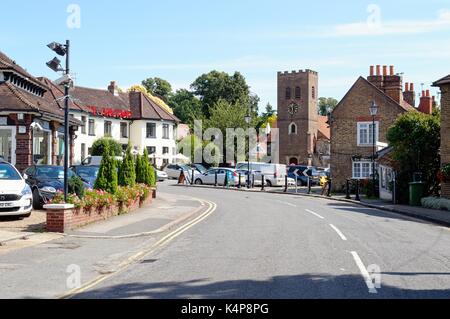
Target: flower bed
96	205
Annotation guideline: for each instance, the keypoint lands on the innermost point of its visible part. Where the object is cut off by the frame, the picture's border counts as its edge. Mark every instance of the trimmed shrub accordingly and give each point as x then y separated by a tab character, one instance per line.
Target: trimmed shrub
148	171
127	172
436	203
107	174
99	146
140	179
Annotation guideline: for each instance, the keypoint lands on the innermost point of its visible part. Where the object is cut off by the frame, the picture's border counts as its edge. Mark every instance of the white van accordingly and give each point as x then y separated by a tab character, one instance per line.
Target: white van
274	174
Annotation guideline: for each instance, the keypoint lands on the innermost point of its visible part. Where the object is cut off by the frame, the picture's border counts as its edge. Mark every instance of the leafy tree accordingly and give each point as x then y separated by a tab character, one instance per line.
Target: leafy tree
327	104
127	172
99	146
186	106
415	138
107	174
215	86
158	86
147	173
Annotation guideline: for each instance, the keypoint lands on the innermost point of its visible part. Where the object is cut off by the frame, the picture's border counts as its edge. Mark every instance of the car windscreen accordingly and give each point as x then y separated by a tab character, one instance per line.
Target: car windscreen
87	171
202	169
51	172
7	172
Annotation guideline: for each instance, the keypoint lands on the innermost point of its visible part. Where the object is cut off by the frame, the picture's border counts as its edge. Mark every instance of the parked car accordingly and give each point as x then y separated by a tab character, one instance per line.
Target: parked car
161	176
258	178
45	181
302	180
16	197
209	178
274	174
173	170
199	168
88	174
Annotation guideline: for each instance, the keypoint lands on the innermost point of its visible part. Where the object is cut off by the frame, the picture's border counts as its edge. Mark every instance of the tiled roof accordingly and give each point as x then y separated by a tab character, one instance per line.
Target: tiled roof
444	80
99	98
7	64
57	93
323	127
144	107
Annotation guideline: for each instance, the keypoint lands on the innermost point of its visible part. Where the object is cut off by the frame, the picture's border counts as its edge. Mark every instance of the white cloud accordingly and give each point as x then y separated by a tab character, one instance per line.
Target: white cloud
392	27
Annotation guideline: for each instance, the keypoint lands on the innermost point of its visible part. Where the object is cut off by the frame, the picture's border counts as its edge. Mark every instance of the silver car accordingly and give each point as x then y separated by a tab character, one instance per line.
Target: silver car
209	178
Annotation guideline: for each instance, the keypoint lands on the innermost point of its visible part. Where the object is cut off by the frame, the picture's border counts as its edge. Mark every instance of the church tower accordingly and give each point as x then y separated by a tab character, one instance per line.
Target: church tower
297	116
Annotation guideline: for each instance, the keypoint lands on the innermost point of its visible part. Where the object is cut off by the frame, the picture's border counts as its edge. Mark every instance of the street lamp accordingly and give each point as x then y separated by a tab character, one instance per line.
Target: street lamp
373	112
248	120
55	65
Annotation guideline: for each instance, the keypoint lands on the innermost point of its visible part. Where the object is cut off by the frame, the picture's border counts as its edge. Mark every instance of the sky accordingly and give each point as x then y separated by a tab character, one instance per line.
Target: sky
178	40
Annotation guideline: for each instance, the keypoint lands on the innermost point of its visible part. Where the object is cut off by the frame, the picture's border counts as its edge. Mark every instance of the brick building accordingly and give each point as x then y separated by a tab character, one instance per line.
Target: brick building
444	85
351	122
31	120
298	119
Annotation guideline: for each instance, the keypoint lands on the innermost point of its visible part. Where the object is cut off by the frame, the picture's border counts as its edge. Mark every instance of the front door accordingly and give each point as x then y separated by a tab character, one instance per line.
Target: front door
8	144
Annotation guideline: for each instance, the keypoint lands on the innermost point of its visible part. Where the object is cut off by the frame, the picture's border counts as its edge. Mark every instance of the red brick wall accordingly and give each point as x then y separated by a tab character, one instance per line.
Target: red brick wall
353	109
60	221
445	133
302	144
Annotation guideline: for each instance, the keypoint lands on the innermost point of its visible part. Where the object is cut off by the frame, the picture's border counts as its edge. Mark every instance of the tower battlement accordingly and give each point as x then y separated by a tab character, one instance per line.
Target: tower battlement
295	72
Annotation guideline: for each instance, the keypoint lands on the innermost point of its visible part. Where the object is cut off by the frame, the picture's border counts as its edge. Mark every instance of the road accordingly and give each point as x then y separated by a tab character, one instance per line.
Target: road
258	245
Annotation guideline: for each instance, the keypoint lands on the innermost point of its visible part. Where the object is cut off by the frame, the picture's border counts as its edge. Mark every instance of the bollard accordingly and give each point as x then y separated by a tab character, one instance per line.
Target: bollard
358	198
348	190
253	180
263	183
193	176
215	179
286	184
329	187
239	183
309	185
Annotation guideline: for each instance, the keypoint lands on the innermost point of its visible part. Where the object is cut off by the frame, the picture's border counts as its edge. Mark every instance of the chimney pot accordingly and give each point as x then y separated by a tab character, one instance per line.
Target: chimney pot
428	93
406	87
378	70
385	70
411	86
372	73
392	70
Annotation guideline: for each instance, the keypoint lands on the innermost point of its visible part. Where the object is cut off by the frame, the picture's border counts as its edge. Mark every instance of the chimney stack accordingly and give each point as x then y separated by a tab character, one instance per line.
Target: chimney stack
113	89
393	85
376	78
426	103
409	95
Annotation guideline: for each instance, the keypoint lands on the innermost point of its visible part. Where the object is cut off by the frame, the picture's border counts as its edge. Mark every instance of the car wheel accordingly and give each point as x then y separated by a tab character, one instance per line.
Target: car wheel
198	182
37	203
268	183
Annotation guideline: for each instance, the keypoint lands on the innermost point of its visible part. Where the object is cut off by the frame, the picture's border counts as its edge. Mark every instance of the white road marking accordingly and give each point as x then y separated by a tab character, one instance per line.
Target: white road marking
364	273
338	232
286	203
315	214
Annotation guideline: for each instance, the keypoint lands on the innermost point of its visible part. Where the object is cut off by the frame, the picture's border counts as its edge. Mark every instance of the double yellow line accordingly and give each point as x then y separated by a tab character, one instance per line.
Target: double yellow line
142	254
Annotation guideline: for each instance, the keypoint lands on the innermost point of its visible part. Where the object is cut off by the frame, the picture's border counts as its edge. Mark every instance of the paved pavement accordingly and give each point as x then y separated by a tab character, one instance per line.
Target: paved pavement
273	246
50	268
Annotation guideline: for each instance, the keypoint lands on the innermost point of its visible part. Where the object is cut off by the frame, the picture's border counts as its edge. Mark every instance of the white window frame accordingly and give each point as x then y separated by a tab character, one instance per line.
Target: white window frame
369	133
359	174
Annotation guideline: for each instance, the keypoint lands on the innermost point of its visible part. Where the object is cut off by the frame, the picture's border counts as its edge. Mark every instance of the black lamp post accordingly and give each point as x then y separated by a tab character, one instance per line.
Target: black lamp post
248	120
55	65
373	112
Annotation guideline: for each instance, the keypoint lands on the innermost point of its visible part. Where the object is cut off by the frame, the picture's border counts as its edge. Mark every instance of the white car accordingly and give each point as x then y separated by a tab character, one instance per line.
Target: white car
173	171
16	198
161	176
209	178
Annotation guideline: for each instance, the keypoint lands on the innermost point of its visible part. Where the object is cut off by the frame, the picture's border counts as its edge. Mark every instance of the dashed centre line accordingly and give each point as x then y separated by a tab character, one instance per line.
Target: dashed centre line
315	214
339	232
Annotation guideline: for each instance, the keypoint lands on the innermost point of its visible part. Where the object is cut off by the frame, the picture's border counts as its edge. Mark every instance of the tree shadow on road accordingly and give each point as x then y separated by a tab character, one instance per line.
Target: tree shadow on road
307	286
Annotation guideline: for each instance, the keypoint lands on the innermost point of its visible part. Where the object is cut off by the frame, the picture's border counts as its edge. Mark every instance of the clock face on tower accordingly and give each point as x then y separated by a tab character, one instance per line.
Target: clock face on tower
293	108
